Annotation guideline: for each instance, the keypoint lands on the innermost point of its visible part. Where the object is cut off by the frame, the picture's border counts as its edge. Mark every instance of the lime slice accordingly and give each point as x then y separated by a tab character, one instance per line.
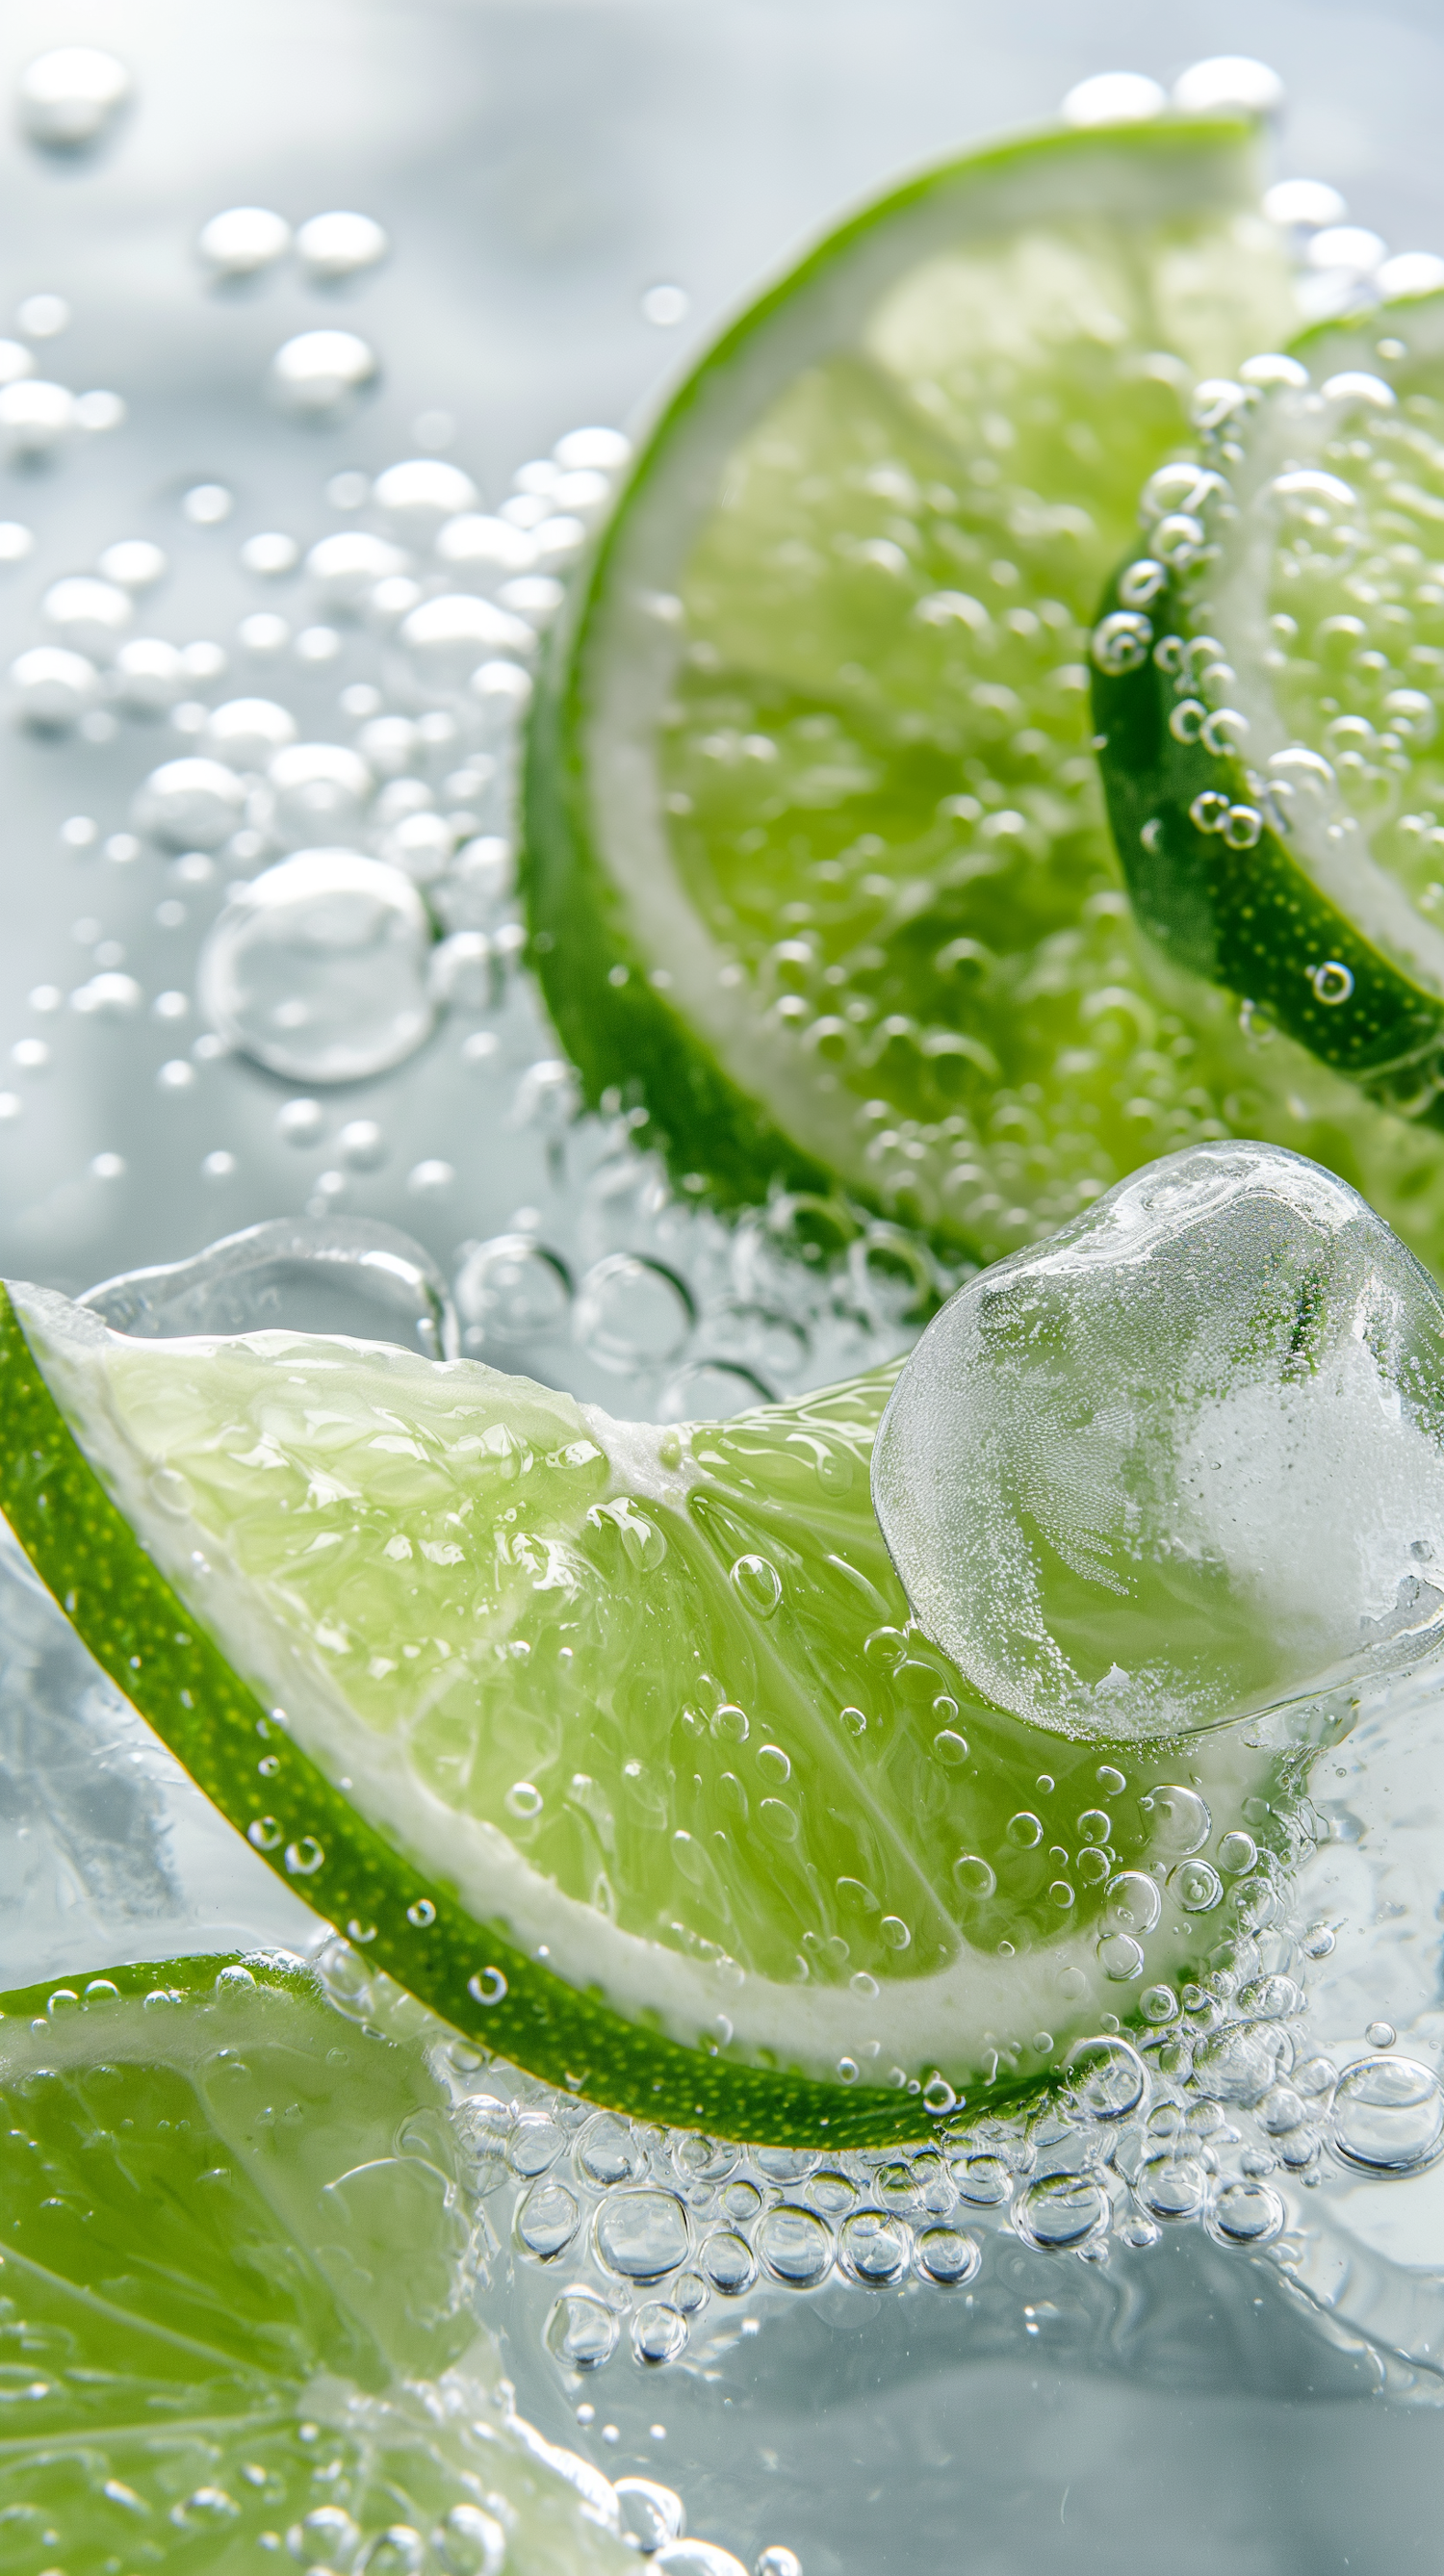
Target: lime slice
1269	674
815	866
236	2323
618	1745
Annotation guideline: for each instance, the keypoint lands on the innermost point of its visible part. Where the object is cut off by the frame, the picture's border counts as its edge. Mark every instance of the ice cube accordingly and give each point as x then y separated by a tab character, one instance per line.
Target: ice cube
1183	1461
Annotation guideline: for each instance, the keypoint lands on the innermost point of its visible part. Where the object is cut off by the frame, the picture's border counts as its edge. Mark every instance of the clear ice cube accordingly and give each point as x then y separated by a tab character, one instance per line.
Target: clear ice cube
1183	1461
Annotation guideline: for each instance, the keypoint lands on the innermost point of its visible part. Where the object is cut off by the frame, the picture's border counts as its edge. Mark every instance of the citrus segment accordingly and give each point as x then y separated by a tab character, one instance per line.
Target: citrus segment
1268	675
620	1741
814	858
236	2299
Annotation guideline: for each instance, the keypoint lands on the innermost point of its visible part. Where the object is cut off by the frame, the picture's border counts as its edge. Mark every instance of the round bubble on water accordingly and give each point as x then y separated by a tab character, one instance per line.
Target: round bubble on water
320	375
36	418
337	1275
1228	84
651	2514
1388	2115
484	550
317	968
242	243
317	787
190	804
136	563
92	615
710	1391
68	100
1113	98
446	639
632	1313
416	496
601	450
53	687
249	732
149	677
1308	204
1182	1461
333	249
422	844
536	596
511	1288
462	971
346	567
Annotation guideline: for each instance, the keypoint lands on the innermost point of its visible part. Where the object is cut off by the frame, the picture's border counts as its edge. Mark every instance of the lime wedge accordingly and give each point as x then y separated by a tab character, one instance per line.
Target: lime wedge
616	1744
814	860
235	2299
1269	676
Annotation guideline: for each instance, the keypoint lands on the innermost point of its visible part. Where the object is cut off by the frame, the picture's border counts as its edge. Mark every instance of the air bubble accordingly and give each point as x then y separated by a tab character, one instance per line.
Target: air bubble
1121	641
242	243
1105	2078
1333	982
631	1312
334	249
1388	2115
548	2220
643	2235
53	687
445	639
36	417
1228	84
582	2331
651	2514
1113	98
190	804
415	497
1197	1887
88	615
795	2245
510	1289
1061	2213
346	566
317	969
70	99
319	375
659	2333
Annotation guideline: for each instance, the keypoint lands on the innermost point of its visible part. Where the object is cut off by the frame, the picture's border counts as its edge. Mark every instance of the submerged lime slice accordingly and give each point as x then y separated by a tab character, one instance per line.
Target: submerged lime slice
236	2327
814	859
616	1744
1269	677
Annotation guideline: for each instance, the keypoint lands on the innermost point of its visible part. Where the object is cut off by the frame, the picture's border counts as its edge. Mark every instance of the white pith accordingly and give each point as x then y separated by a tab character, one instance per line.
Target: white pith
960	2020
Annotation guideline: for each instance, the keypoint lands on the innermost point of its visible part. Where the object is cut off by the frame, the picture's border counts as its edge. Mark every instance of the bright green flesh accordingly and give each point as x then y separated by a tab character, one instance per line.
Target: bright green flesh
644	1705
1326	620
235	2294
815	860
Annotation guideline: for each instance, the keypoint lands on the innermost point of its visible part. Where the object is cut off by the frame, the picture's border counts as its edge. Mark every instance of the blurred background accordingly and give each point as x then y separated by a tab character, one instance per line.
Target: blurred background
572	194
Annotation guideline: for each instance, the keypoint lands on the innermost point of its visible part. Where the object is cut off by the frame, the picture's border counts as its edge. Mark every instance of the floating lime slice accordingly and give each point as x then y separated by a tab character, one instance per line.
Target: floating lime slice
1269	677
814	859
617	1745
236	2322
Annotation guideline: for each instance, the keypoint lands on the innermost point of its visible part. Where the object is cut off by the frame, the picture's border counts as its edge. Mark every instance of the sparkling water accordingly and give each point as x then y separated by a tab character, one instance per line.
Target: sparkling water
313	394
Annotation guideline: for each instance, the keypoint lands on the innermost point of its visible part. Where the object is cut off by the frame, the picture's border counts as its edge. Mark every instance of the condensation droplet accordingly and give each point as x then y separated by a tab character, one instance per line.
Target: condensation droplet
317	968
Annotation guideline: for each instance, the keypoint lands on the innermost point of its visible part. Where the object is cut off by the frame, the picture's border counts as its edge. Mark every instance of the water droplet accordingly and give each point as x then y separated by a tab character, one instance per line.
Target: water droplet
247	733
609	2152
346	566
1061	2212
795	2246
305	1857
421	1915
191	804
1245	2213
332	249
316	788
484	550
547	2220
631	1311
666	305
69	99
88	615
1105	2078
1197	1887
1119	1957
948	2255
1388	2114
757	1582
416	496
1241	2061
1333	982
524	1800
642	2234
149	676
445	640
53	688
1173	2186
328	2534
1237	1854
398	2551
873	2249
487	1987
1177	1820
1025	1829
241	243
1229	84
659	2332
651	2514
974	1877
317	969
319	375
1113	98
510	1289
36	417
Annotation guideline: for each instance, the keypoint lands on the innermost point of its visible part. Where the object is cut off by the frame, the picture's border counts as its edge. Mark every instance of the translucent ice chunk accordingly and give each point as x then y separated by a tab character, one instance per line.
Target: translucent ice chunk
1183	1461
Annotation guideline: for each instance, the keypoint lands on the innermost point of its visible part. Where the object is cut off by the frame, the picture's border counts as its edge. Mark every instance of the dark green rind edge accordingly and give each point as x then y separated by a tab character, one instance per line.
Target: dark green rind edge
626	1036
138	1630
1250	919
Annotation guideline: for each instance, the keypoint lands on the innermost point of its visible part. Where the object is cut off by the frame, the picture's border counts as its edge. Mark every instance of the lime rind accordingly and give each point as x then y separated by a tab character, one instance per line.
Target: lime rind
1247	864
648	987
